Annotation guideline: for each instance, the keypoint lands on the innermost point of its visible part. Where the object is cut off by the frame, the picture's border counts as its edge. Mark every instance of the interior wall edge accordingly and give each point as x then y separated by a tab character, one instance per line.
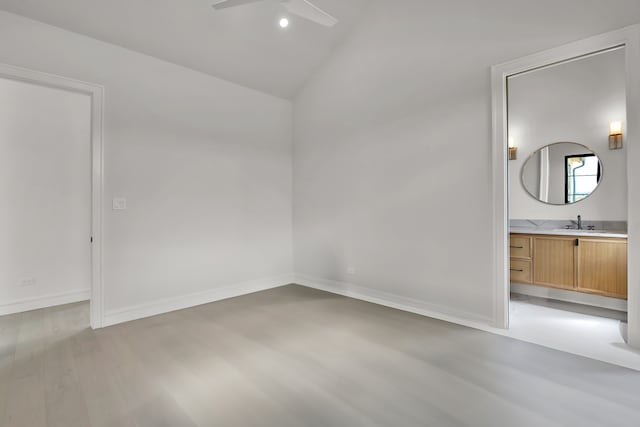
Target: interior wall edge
428	310
386	299
181	302
29	304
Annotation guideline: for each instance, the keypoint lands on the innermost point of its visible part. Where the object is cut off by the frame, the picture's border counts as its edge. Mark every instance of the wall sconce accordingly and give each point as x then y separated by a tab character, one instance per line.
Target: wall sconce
615	135
513	150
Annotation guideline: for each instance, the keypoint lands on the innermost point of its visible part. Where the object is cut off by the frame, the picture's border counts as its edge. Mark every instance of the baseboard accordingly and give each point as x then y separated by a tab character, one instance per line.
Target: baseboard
167	305
570	296
395	301
37	303
435	312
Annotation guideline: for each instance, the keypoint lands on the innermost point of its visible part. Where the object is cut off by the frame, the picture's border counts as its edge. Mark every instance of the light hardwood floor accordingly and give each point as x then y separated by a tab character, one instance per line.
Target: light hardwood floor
295	357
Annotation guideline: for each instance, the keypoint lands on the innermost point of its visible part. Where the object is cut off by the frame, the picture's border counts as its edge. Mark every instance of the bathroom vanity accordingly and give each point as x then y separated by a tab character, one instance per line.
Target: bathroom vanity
583	261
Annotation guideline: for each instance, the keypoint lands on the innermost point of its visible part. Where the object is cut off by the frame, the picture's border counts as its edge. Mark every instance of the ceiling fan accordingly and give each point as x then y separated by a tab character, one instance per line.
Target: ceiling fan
303	8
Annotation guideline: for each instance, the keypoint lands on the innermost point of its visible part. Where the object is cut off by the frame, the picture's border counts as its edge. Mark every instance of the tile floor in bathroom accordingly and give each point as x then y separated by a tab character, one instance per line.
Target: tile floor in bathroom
588	331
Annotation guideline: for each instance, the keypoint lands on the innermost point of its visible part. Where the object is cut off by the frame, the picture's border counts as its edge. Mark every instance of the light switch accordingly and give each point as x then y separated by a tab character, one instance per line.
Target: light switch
119	204
28	281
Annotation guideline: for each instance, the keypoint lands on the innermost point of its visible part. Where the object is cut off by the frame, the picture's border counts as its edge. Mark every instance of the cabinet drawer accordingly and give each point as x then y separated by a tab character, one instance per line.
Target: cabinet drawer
521	271
520	246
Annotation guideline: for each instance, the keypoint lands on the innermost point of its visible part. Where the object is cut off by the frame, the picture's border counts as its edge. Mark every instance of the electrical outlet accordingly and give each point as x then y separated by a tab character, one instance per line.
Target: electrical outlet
28	281
351	271
119	204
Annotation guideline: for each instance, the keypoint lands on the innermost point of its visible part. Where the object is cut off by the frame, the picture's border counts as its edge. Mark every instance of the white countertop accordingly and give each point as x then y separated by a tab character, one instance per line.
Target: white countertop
569	232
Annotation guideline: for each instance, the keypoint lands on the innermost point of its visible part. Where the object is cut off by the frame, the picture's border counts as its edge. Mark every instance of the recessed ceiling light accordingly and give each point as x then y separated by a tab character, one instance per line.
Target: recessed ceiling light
284	23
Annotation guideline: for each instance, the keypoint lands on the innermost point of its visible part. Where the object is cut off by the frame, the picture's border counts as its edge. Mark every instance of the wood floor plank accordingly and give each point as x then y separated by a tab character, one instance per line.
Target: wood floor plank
96	377
8	340
26	403
65	404
295	357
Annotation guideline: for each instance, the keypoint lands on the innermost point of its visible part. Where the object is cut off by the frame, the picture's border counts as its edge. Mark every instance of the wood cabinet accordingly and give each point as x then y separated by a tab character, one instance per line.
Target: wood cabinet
595	265
521	248
521	271
554	261
602	267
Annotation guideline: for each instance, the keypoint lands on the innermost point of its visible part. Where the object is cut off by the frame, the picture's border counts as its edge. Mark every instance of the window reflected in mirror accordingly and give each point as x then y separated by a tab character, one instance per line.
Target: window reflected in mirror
582	175
562	173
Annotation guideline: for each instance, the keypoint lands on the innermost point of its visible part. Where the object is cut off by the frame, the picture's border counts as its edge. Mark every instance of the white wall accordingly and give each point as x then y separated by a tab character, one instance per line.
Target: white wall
45	188
573	102
392	166
205	166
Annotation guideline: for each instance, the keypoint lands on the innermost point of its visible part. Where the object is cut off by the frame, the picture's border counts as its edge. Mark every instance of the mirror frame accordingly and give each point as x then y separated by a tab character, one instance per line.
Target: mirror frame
557	143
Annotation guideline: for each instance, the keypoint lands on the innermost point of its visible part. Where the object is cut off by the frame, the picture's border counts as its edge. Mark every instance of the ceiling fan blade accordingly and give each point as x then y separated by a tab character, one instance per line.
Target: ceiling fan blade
223	4
309	11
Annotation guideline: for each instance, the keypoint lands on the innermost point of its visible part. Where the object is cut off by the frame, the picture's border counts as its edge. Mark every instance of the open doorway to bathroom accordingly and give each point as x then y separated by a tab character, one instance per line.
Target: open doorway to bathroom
567	174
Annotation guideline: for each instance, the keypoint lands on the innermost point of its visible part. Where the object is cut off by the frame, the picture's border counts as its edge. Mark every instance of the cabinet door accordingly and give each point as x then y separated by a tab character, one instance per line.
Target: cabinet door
554	261
602	267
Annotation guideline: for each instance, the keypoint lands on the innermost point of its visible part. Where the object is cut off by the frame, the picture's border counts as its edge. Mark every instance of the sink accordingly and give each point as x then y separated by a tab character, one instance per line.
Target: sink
573	230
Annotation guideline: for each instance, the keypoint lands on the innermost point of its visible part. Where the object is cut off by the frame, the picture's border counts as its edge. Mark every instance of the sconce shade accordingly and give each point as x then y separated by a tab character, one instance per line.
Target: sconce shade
513	150
615	135
615	128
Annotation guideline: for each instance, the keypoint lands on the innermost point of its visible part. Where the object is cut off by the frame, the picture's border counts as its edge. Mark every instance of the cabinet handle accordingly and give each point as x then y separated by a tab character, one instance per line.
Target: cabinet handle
517	247
519	271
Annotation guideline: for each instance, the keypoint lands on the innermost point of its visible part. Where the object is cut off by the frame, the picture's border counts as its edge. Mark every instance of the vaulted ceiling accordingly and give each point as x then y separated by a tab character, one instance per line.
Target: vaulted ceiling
242	44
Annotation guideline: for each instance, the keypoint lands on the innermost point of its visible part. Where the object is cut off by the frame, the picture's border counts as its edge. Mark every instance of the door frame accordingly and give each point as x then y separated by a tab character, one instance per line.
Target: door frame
629	37
96	92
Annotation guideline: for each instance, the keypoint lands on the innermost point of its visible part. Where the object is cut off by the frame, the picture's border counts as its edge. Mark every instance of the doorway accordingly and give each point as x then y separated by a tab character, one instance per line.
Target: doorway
512	176
51	187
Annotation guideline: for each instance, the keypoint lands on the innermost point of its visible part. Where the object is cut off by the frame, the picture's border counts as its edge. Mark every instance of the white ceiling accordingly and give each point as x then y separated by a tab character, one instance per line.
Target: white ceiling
242	44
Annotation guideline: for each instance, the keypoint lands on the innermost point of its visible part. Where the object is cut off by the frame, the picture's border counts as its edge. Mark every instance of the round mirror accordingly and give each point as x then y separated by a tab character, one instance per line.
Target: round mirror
562	173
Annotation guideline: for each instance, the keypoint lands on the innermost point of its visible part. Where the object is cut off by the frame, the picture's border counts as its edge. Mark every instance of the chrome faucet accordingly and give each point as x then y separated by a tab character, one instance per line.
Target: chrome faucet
578	224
